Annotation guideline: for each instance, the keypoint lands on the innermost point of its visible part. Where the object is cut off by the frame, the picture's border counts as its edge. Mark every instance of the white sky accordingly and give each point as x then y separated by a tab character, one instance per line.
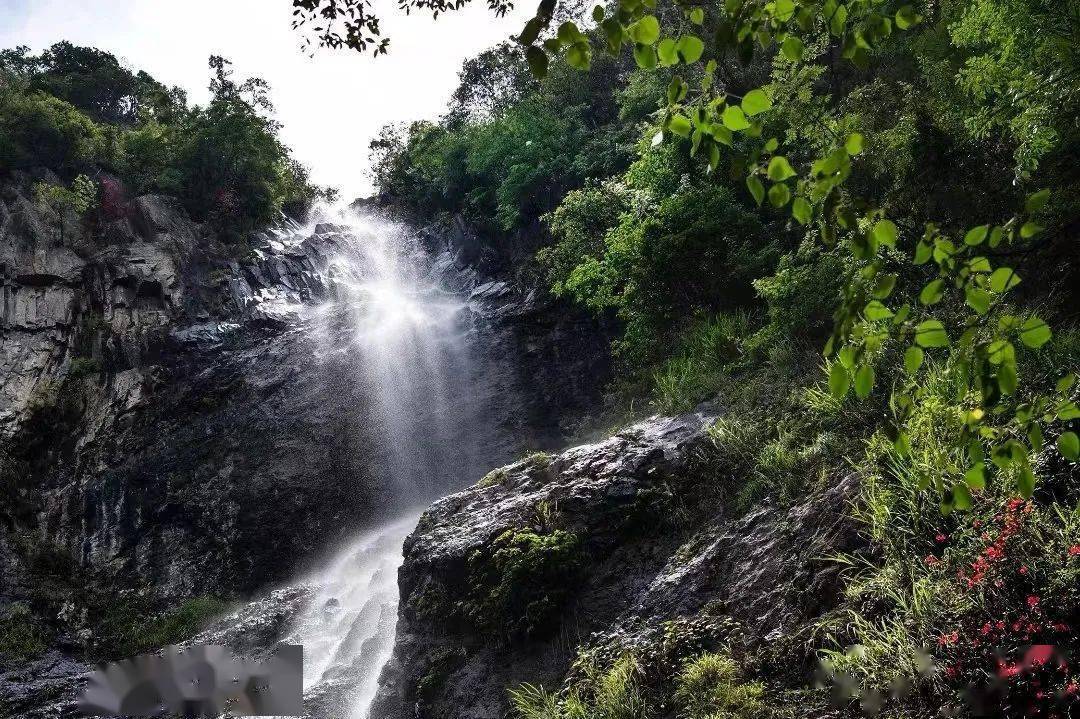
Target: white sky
331	105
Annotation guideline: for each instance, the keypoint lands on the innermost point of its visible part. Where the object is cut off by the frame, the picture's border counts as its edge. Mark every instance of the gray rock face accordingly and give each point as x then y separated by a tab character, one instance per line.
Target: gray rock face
654	544
163	425
158	408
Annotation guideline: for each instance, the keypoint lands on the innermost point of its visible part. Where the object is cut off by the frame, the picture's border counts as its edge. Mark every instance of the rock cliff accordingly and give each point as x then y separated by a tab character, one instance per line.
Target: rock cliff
604	549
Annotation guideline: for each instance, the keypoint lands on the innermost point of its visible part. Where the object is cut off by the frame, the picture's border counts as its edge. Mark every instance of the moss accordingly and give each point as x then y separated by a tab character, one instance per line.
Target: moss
20	637
521	583
441	665
83	367
495	477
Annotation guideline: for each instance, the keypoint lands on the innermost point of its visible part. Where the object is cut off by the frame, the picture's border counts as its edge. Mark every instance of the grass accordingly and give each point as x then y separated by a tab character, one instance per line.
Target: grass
129	628
710	687
699	368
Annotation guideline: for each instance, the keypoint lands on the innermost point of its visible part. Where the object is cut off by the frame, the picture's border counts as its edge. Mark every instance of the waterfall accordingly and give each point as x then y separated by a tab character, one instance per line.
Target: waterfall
404	339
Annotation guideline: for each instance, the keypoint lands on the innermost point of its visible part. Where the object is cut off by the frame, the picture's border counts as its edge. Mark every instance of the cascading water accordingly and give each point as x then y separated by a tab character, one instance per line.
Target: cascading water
405	342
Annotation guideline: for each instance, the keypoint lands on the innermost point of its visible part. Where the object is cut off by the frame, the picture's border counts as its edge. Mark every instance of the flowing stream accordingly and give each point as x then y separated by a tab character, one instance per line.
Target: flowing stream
406	341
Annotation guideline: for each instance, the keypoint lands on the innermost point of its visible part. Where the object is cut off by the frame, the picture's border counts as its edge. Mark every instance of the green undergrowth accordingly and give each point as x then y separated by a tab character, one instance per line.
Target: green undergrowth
21	639
132	626
955	599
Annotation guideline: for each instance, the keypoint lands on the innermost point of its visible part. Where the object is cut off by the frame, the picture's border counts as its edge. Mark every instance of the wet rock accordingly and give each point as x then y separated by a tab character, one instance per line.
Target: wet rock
656	544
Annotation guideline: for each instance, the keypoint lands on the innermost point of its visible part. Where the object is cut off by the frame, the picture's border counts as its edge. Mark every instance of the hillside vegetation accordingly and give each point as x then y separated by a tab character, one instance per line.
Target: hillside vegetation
930	250
107	133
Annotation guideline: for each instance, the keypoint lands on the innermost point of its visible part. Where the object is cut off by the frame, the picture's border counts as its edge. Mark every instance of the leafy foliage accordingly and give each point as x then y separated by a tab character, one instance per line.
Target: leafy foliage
80	113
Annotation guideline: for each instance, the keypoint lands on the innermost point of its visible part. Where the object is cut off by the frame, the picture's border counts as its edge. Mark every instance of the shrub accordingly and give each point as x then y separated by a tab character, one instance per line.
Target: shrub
39	130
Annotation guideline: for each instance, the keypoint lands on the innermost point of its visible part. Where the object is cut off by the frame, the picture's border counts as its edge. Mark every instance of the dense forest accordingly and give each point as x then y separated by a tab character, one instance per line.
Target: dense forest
108	133
954	123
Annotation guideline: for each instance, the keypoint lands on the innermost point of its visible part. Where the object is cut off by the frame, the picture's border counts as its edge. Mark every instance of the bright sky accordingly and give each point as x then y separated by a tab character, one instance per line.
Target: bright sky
331	105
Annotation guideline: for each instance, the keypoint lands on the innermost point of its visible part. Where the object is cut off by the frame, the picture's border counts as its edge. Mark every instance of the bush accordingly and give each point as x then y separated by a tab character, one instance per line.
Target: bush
709	687
39	130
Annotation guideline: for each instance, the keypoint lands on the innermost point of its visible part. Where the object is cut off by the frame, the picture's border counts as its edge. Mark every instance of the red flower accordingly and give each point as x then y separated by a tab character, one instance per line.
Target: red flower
1074	550
950	638
931	560
1022	571
1032	601
940	538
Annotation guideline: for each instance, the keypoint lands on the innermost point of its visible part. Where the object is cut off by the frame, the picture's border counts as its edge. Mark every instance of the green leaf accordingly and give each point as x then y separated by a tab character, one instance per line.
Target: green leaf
1030	229
838	380
1035	333
978	300
755	102
645	56
538	61
913	359
1001	352
779	195
931	333
1068	411
1065	383
645	31
780	169
1004	279
885	233
1006	378
784	9
1036	201
793	48
906	17
579	56
1069	445
690	47
531	31
801	211
1025	481
697	16
884	286
854	144
933	292
757	189
598	13
875	311
976	476
976	235
923	252
961	497
864	381
667	53
680	125
734	118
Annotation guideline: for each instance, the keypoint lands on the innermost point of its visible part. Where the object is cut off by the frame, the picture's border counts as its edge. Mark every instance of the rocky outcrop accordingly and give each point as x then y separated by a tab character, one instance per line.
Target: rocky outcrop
159	415
612	543
164	430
